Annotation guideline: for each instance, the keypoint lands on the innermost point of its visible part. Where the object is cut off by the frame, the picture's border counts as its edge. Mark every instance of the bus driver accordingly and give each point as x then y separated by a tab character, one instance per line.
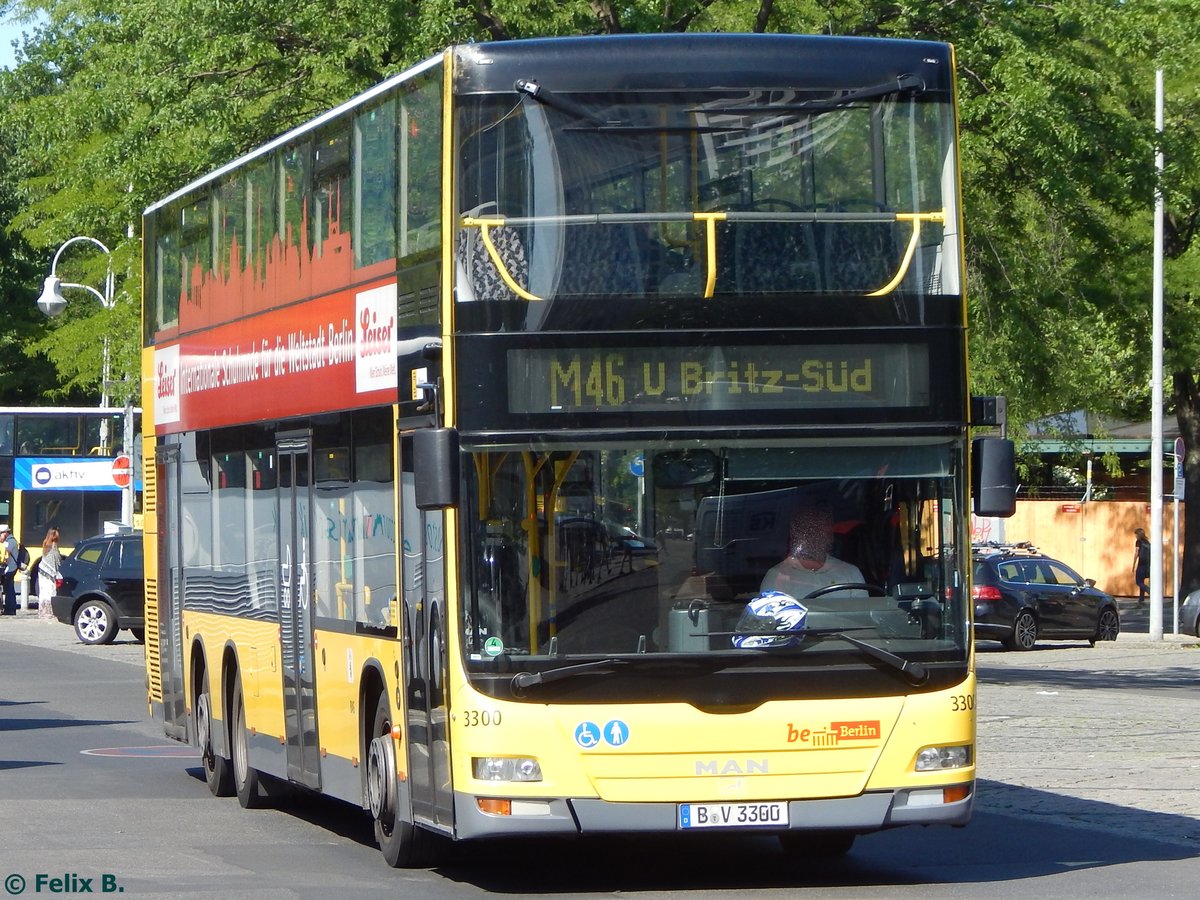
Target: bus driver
809	566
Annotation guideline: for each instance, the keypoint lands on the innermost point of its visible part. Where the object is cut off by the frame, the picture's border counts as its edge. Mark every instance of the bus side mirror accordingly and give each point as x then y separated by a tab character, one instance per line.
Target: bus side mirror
435	467
993	477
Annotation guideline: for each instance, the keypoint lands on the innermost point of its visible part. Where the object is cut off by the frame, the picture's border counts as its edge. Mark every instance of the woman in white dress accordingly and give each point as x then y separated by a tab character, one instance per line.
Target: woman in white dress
48	574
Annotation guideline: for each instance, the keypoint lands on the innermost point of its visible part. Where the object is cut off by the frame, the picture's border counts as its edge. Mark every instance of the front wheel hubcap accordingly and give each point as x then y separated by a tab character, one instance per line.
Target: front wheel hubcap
92	623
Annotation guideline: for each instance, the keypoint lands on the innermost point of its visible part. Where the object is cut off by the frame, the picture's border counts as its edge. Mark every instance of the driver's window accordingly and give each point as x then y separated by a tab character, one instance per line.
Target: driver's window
1062	575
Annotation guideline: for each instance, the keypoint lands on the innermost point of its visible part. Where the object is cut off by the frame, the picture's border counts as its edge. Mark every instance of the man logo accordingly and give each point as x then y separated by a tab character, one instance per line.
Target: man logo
731	767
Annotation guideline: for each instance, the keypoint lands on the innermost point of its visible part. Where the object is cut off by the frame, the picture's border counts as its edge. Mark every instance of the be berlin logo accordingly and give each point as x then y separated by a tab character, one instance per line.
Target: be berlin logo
67	883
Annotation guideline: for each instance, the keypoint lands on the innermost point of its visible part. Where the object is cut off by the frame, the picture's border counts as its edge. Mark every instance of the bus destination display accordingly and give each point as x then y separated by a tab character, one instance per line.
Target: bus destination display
717	378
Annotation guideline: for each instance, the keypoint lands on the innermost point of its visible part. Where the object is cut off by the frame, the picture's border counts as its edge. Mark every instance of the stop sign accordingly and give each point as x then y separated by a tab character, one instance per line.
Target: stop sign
122	471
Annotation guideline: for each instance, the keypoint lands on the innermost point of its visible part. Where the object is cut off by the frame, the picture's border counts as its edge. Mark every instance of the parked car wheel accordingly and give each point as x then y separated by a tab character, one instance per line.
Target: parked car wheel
1108	627
95	622
1025	630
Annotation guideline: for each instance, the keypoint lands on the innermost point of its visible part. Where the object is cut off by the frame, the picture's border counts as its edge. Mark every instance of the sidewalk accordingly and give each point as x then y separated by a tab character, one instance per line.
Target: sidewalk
26	628
1135	619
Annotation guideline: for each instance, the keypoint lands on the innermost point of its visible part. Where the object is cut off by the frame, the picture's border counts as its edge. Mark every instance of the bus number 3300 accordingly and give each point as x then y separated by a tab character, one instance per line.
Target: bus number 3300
475	718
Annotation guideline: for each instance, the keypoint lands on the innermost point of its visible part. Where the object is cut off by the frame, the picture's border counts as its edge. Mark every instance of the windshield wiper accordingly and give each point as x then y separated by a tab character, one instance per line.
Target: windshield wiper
523	680
916	673
903	84
532	89
528	88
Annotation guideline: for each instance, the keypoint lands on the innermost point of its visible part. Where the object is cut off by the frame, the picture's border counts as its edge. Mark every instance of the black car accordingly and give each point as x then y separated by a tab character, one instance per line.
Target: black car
101	588
1021	595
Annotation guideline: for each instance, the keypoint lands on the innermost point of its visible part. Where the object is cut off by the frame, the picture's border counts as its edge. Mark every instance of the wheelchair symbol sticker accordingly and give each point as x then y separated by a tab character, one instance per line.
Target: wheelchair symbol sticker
587	735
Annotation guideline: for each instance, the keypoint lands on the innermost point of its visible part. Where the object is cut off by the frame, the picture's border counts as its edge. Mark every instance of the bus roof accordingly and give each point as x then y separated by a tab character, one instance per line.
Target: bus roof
637	61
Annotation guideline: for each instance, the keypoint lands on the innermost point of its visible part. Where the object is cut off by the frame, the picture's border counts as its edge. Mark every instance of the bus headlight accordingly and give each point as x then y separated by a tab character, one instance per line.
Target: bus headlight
506	768
933	758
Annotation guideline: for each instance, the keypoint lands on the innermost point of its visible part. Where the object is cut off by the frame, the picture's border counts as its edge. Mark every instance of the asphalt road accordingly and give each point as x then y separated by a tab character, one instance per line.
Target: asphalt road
1088	788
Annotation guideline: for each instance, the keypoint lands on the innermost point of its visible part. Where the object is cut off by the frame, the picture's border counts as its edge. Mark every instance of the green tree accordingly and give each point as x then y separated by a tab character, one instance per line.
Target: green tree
115	105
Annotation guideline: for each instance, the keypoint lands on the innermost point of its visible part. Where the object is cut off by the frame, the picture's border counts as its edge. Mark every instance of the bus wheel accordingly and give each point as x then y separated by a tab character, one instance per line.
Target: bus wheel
817	844
245	777
217	769
402	843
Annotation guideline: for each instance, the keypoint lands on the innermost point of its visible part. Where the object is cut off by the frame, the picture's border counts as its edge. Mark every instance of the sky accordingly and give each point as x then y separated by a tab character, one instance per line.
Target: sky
9	32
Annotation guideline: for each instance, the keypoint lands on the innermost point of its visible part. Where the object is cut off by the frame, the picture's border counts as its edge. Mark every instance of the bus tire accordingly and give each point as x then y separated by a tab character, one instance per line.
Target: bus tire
245	776
218	770
817	844
403	844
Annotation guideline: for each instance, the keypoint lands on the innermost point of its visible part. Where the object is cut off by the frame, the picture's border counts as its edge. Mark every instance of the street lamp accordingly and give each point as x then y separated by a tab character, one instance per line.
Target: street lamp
53	303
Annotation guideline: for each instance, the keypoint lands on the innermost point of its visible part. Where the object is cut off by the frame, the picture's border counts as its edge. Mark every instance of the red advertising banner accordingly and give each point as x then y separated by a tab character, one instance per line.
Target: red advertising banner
335	352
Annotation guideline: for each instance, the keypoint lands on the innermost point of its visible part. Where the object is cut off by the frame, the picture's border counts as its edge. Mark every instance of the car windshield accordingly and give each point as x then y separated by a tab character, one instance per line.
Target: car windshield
752	550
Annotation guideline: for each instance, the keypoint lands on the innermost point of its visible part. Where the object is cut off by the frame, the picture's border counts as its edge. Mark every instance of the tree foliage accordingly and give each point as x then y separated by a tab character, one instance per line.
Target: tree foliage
114	105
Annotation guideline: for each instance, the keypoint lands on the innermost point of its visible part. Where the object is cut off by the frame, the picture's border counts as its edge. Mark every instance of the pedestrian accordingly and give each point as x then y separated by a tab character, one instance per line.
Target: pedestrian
47	575
8	551
1141	563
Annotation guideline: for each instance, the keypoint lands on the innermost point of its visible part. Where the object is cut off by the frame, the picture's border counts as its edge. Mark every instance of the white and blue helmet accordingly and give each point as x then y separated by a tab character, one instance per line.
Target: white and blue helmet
772	619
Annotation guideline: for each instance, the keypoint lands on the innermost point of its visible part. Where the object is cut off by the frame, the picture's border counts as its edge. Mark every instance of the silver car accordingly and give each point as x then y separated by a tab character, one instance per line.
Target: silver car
1189	614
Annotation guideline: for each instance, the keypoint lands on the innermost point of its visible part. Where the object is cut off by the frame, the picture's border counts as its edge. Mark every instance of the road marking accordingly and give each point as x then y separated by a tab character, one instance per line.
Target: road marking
160	751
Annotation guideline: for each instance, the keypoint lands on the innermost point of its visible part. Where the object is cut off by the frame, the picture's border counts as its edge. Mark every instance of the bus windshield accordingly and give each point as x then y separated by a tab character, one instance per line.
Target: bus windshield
767	549
659	195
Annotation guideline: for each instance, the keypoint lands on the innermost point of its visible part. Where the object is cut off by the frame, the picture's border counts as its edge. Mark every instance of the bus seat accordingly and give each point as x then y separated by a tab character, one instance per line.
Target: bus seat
774	257
478	277
601	259
759	257
859	257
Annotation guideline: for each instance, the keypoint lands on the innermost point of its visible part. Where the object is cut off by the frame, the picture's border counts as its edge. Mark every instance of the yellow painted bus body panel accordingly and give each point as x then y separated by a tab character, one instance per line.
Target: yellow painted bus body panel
674	752
256	645
339	661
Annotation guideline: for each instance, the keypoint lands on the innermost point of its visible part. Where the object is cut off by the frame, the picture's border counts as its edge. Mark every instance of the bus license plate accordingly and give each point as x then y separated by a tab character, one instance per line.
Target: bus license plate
733	815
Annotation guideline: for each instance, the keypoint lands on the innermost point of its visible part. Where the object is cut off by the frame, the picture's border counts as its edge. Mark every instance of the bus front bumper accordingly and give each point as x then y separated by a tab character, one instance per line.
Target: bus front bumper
865	813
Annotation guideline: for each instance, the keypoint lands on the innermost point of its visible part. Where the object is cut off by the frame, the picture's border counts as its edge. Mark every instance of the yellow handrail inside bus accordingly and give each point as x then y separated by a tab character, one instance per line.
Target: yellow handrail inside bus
532	466
485	226
710	221
911	250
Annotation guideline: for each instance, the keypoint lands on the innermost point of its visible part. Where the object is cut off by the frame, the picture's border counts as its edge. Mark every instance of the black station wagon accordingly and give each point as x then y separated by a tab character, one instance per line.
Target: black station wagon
1021	595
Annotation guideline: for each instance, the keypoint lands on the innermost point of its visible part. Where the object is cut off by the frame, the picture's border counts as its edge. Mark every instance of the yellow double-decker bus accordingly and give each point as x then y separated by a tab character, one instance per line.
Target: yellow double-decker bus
572	436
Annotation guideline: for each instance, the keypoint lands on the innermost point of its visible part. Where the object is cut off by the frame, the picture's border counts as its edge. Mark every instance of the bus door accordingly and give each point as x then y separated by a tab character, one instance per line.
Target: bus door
424	595
294	505
169	638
